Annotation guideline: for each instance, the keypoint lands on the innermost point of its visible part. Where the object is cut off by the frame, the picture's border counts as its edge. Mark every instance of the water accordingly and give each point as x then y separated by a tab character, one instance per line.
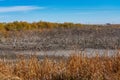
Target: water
66	53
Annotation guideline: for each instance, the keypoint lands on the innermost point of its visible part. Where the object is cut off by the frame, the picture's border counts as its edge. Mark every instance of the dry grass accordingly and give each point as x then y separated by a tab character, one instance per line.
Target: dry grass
61	39
76	67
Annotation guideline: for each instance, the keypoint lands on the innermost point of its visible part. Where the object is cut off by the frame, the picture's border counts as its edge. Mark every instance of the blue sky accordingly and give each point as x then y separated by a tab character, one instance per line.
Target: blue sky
77	11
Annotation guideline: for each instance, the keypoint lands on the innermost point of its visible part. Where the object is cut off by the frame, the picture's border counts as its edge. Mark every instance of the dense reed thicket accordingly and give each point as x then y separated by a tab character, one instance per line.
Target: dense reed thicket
75	67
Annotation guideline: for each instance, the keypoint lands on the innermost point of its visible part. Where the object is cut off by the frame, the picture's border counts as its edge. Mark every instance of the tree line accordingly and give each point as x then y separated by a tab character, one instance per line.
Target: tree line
22	25
11	26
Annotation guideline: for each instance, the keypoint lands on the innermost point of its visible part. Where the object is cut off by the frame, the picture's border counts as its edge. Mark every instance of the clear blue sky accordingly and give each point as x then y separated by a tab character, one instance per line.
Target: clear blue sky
77	11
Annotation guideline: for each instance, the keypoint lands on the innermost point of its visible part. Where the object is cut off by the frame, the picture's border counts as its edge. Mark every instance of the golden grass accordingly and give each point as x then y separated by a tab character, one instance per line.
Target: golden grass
76	67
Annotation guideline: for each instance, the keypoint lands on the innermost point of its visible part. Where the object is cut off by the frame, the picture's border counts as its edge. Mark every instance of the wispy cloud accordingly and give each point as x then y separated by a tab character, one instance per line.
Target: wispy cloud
19	8
91	9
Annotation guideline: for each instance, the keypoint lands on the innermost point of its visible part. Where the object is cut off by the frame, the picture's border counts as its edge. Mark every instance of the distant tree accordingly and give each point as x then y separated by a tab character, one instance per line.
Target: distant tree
108	24
10	27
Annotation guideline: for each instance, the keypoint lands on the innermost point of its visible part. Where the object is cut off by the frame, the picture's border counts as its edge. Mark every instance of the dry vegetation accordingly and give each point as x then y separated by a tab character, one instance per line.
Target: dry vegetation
103	37
75	67
55	36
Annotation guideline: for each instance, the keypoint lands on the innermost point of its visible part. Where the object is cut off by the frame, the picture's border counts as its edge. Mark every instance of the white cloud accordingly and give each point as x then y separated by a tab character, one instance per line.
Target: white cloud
19	8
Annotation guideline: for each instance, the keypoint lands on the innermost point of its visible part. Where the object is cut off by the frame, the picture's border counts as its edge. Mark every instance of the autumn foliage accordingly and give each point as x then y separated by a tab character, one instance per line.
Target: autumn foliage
33	26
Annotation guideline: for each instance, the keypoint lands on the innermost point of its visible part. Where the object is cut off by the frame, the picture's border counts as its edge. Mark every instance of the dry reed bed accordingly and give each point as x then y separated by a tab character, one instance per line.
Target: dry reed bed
75	67
61	38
